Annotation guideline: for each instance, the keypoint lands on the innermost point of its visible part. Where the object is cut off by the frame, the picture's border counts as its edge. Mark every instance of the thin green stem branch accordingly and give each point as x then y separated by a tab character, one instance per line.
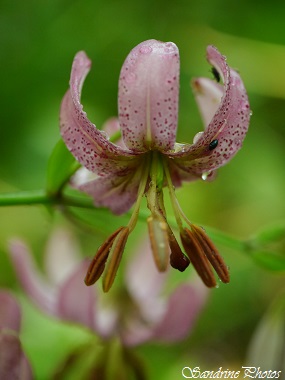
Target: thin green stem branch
37	197
24	198
40	197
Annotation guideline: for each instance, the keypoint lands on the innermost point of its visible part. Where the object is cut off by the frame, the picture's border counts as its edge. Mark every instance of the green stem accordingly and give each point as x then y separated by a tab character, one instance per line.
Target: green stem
24	198
34	197
37	197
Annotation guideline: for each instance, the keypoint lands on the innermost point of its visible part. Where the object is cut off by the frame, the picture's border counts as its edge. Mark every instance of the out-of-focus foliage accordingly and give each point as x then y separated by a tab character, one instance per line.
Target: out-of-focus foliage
38	41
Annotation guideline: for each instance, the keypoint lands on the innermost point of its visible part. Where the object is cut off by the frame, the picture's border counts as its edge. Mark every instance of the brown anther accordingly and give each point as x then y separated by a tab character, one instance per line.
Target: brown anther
177	258
97	265
197	257
158	234
115	257
212	253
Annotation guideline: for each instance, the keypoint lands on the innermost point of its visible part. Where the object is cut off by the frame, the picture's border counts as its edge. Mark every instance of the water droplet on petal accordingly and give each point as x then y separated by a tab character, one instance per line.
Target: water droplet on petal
145	49
205	176
105	134
197	137
181	148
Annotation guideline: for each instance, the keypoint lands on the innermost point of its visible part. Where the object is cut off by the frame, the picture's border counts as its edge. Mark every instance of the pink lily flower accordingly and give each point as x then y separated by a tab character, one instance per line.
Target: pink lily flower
139	312
150	158
13	362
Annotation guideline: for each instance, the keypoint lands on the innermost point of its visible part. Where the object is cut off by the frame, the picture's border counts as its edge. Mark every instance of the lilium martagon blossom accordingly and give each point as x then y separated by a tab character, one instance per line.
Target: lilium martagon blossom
137	312
150	159
14	364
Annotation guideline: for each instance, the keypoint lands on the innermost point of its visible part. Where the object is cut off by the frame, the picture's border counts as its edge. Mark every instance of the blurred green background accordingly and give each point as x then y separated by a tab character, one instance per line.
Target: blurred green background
38	41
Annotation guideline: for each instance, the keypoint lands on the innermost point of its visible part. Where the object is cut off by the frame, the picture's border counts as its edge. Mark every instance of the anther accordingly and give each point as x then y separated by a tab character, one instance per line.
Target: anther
115	257
177	258
197	257
97	265
212	253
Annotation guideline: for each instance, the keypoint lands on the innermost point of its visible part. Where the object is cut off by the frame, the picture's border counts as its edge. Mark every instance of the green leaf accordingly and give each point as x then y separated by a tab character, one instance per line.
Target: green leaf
269	260
61	166
267	344
270	234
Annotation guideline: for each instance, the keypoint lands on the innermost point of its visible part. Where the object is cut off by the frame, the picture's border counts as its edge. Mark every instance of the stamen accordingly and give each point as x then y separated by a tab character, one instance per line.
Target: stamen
198	246
177	258
158	233
212	253
142	188
175	204
115	244
197	256
114	260
97	265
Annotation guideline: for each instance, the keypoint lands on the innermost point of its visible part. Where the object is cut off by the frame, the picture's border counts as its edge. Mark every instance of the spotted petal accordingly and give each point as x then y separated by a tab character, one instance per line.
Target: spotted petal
117	191
208	97
228	125
148	96
89	145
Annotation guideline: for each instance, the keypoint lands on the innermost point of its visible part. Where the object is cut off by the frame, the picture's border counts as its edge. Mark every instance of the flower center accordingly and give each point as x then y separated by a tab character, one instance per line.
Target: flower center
199	249
197	245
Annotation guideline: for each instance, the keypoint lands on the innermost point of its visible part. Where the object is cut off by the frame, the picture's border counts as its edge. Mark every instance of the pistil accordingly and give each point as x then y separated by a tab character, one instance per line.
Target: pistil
163	242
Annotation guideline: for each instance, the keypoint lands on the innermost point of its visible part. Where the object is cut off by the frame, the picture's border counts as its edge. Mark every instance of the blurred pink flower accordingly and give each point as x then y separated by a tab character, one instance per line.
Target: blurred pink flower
148	157
138	311
13	362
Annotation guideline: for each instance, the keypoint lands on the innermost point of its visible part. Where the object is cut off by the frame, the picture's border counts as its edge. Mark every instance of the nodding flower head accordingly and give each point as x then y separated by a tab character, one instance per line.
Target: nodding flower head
148	158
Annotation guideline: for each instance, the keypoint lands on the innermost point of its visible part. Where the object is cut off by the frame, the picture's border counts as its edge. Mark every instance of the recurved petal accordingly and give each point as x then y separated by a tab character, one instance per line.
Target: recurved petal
145	293
208	96
89	145
76	301
117	192
112	128
225	133
33	283
10	313
13	362
184	306
148	96
62	256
